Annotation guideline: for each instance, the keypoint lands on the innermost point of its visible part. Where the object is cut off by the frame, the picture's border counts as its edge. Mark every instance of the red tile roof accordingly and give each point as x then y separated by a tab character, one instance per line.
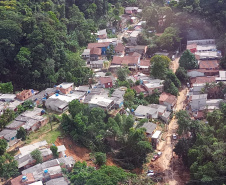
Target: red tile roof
104	80
145	63
98	45
204	70
139	89
120	47
169	98
95	51
125	60
17	180
208	64
203	79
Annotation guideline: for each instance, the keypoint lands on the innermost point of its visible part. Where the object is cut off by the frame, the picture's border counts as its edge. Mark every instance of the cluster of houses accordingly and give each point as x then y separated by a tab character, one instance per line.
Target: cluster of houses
208	73
48	172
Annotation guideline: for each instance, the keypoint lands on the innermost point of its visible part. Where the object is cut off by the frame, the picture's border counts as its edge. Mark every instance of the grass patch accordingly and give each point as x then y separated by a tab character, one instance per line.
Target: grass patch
45	133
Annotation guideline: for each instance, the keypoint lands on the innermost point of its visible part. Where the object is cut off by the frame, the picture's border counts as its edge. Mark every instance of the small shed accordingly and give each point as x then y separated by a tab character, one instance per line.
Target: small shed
156	138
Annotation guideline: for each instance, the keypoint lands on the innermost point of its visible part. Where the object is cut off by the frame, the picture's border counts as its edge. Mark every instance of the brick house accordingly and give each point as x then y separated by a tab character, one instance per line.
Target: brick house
25	94
168	100
23	179
209	64
65	87
106	82
120	49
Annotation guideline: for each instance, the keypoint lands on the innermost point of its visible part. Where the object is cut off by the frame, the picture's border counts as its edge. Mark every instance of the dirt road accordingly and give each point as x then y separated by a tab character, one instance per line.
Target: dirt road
167	163
175	64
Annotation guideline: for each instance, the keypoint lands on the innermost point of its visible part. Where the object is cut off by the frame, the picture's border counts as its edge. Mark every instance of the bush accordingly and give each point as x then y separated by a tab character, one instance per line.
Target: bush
54	150
100	158
37	155
21	133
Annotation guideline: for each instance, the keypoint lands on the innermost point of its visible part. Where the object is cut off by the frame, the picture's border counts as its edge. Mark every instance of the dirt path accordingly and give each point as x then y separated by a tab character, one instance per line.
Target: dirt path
175	64
167	162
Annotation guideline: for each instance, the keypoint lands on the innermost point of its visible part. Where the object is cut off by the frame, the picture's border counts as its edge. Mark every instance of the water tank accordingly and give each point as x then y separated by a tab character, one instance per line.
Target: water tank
57	94
46	171
24	178
132	110
88	92
32	91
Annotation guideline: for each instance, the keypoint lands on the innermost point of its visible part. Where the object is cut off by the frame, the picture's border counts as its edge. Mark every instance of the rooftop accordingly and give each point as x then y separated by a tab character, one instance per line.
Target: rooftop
97	62
169	98
8	134
15	124
61	148
199	96
120	47
145	63
95	51
126	60
156	134
65	85
57	181
143	110
139	88
104	80
86	52
102	32
18	180
203	79
135	33
82	88
208	64
150	127
29	148
98	45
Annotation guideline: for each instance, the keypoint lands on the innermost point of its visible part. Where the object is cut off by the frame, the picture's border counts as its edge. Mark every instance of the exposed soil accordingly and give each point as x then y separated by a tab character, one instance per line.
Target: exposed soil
175	64
168	163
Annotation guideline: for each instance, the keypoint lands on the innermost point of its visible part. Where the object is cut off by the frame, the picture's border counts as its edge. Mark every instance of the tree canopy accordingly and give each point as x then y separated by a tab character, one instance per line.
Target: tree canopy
188	60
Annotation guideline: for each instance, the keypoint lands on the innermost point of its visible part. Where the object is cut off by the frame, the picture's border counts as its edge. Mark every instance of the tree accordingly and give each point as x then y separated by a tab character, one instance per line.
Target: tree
37	155
169	87
8	166
188	60
6	87
110	52
129	95
21	134
181	74
122	73
3	146
54	150
100	158
170	75
160	65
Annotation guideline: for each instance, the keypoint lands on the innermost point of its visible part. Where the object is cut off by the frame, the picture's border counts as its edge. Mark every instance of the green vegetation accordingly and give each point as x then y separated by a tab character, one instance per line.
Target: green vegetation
188	61
37	156
8	166
6	118
21	134
100	158
181	74
54	151
95	130
109	175
6	87
3	146
204	151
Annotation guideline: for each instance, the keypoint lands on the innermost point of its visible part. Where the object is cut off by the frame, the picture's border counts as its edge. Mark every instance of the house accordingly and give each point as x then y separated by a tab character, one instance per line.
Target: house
83	88
131	10
56	105
41	97
203	79
135	54
13	105
29	148
144	66
133	37
117	96
65	87
15	125
156	137
112	41
95	54
154	85
99	101
61	150
23	179
192	47
209	64
9	136
168	100
25	94
106	82
150	128
222	76
162	112
201	45
130	61
208	55
146	112
141	49
57	181
198	101
99	64
202	72
103	46
86	54
102	34
140	89
66	162
25	161
7	97
120	49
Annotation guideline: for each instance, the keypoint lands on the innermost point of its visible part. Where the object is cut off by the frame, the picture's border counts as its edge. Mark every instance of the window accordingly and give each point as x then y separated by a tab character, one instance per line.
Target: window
109	83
